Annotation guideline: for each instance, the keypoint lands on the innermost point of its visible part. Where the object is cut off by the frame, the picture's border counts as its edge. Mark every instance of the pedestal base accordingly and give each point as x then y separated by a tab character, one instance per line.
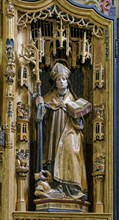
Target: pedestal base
63	205
21	206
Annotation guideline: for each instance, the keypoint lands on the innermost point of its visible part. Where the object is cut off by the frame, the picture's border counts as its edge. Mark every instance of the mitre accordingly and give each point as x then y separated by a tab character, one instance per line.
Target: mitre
59	70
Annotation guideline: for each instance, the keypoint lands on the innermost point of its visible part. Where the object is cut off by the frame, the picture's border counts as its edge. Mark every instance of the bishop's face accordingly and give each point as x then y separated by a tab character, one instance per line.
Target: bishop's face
61	83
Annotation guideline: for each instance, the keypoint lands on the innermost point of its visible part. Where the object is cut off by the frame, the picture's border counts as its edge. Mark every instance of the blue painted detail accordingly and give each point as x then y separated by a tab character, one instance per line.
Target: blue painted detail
59	210
116	48
2	138
90	7
116	126
10	43
112	11
10	109
9	48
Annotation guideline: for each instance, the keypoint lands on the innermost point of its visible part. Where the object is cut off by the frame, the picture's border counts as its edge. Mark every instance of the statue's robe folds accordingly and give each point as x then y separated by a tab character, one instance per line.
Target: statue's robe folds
63	143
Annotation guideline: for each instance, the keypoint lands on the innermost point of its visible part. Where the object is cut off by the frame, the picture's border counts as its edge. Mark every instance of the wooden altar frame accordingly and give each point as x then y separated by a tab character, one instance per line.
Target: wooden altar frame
9	156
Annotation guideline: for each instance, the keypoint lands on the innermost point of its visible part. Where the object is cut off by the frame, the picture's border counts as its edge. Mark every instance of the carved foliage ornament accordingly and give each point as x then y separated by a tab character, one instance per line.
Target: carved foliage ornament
105	5
99	163
102	5
22	166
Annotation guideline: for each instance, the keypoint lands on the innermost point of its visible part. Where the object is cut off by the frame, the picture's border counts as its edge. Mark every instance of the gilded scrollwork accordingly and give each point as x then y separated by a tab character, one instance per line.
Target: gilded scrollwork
30	54
93	2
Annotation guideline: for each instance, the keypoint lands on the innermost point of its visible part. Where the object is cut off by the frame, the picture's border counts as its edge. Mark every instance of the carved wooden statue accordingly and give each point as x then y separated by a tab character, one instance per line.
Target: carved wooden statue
63	140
